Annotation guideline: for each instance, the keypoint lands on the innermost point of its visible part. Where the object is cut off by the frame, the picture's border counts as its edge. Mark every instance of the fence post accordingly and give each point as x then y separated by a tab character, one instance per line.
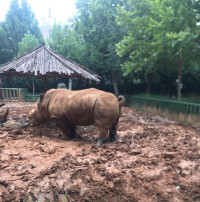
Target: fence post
19	95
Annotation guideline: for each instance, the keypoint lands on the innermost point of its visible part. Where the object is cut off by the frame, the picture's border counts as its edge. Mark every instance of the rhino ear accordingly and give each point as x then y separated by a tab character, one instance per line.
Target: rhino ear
41	97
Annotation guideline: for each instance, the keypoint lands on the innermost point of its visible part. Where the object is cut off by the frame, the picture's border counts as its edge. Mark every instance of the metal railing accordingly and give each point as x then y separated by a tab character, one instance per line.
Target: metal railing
184	107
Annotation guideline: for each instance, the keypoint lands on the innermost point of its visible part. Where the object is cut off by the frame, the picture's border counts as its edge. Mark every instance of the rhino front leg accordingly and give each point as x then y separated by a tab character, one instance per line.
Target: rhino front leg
63	126
103	132
65	131
72	131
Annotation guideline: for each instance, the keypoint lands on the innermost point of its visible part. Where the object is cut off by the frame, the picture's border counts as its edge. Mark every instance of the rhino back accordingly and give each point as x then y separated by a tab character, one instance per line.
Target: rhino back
74	106
83	107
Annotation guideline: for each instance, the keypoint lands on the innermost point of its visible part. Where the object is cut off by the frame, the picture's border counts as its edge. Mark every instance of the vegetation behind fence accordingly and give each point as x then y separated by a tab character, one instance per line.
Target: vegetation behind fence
178	106
32	98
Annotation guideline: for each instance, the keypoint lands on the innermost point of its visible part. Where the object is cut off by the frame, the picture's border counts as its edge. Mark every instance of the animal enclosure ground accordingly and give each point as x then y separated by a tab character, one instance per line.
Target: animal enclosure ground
154	159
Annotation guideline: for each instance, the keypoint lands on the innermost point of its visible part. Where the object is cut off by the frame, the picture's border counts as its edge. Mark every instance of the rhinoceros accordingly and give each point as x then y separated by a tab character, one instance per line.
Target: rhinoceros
67	109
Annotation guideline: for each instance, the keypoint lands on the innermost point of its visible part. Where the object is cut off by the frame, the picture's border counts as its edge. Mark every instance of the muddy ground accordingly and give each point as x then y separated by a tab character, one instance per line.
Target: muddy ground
154	159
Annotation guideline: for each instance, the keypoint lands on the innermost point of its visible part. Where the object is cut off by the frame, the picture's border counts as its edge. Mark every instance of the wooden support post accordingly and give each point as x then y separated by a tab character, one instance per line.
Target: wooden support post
1	94
33	81
70	84
45	83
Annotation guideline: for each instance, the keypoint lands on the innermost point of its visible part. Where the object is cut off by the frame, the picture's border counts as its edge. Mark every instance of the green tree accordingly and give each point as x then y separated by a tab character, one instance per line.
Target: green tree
5	49
182	36
19	20
67	42
28	43
96	24
158	32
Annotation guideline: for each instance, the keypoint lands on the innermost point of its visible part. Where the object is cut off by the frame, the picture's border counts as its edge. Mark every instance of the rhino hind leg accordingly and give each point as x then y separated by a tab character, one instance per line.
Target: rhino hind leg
113	132
103	132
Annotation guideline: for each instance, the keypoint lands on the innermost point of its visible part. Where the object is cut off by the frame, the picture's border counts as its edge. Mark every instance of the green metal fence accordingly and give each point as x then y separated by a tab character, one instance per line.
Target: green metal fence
184	107
32	98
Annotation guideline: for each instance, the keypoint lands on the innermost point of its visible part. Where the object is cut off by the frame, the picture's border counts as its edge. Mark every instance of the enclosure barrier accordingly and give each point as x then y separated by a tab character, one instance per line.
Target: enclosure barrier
177	106
13	94
32	98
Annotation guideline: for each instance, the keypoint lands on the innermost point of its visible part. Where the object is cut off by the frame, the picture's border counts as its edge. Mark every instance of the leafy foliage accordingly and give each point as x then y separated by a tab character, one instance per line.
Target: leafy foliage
28	43
5	49
67	42
19	33
159	31
96	24
19	20
133	43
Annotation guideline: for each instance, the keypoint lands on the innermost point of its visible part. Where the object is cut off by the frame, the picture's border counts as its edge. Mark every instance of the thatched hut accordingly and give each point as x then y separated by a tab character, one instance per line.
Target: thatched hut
43	62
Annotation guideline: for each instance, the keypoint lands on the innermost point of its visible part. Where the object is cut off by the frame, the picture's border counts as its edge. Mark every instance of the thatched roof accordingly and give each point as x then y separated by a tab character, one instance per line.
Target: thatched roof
44	61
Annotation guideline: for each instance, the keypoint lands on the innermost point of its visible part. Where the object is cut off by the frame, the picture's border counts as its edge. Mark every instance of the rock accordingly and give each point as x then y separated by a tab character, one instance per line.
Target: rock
2	104
22	122
17	132
3	114
135	152
11	124
83	191
168	156
169	191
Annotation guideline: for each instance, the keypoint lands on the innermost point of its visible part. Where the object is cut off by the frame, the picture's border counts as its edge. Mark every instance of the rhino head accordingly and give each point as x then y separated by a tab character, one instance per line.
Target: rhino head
36	116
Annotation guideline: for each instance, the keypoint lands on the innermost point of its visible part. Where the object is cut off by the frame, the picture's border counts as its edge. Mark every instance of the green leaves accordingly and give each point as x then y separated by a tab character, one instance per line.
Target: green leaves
19	20
155	29
28	43
68	43
99	30
5	51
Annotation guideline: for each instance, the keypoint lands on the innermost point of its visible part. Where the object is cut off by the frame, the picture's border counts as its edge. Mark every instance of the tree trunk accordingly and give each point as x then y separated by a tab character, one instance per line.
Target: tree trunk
148	86
115	83
179	84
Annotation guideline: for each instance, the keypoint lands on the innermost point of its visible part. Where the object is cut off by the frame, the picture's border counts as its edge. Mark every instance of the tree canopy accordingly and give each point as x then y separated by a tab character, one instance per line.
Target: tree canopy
28	43
131	43
67	42
159	31
19	20
96	24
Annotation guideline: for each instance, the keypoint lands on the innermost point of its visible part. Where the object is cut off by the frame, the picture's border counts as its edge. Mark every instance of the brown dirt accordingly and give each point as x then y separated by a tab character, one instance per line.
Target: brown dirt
154	159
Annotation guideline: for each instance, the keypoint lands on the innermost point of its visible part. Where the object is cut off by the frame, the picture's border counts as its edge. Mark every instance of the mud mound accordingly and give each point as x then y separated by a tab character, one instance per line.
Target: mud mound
153	159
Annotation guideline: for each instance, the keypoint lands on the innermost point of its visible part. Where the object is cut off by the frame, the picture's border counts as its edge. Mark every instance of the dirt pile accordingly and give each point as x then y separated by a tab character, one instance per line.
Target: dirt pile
153	159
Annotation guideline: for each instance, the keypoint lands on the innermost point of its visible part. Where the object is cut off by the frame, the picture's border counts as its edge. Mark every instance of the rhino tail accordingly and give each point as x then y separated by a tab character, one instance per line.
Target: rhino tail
121	100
